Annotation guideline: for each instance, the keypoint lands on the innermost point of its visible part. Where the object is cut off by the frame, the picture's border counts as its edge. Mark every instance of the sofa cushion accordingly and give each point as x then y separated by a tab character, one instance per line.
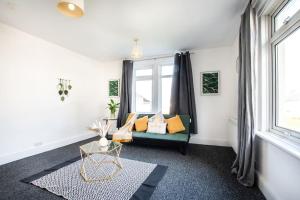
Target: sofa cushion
169	137
175	125
154	127
141	124
184	118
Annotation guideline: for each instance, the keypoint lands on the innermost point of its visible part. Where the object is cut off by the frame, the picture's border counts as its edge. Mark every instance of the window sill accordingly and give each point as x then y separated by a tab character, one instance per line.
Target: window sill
281	142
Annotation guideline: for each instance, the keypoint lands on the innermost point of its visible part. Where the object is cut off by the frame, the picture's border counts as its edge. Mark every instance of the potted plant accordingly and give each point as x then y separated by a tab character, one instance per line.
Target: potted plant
113	106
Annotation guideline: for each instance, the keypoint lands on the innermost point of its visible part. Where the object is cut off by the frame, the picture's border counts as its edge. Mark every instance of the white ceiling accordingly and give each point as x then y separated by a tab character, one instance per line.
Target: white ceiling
107	29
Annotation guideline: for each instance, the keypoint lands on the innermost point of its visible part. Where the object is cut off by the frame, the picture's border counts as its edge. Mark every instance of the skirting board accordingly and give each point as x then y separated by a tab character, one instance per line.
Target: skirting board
195	140
43	148
264	188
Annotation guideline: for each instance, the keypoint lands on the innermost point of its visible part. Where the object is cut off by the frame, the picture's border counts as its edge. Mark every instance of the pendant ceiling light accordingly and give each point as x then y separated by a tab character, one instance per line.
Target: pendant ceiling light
71	8
136	52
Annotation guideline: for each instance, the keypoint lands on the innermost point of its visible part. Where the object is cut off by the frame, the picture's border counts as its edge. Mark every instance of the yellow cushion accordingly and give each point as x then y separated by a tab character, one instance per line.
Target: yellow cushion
175	125
141	124
127	120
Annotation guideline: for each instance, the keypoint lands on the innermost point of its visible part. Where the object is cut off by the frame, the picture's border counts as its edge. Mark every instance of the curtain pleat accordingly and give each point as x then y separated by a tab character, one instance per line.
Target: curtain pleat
243	165
126	91
182	92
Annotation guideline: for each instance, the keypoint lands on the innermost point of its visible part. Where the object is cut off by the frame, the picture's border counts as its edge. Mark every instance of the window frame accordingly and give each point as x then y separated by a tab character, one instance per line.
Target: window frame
156	66
137	66
276	37
276	11
160	77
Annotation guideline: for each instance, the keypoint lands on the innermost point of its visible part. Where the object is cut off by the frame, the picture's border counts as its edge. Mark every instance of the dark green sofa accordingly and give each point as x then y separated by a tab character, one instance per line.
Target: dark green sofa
179	139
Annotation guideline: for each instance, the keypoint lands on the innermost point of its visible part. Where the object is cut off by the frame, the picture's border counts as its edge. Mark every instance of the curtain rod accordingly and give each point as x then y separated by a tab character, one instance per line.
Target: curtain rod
157	57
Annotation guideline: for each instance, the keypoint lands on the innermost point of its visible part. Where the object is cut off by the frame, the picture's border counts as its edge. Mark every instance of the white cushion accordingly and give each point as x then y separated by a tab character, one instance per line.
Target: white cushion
154	127
157	118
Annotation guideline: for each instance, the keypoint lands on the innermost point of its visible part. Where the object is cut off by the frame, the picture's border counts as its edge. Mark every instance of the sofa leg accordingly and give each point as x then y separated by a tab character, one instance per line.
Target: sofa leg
183	149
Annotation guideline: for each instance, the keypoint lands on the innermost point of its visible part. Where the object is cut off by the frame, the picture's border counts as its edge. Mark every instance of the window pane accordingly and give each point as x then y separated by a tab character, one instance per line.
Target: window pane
167	70
288	82
143	99
166	85
143	72
286	13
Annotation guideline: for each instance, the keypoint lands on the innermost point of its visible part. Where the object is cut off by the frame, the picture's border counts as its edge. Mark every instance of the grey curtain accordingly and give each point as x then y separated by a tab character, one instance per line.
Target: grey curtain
243	166
182	92
126	91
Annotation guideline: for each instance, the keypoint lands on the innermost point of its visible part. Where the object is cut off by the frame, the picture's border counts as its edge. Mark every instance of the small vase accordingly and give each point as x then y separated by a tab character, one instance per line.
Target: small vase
103	142
113	115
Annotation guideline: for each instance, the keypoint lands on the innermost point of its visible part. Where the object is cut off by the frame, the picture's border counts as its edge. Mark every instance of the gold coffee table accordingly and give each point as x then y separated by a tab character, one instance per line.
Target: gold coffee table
101	160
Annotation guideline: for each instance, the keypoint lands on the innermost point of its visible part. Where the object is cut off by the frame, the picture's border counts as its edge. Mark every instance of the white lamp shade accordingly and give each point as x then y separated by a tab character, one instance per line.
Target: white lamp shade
136	52
71	8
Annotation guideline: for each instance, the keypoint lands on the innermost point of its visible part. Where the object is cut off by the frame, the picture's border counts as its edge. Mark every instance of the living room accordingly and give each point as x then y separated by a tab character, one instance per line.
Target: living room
149	99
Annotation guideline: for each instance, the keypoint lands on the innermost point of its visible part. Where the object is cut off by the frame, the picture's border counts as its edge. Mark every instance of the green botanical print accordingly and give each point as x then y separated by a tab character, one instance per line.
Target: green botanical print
210	83
113	88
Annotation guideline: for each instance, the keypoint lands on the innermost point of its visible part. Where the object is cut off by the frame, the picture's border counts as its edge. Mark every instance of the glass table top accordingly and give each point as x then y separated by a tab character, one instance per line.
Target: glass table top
94	147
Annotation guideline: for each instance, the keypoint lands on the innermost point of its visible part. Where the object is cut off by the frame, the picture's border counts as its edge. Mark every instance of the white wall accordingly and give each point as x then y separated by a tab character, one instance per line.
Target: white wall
232	122
32	118
213	112
278	171
232	133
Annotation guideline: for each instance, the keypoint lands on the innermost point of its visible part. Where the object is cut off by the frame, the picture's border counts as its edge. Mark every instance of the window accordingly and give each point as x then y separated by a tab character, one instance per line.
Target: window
285	44
288	82
144	72
166	84
143	97
152	82
283	15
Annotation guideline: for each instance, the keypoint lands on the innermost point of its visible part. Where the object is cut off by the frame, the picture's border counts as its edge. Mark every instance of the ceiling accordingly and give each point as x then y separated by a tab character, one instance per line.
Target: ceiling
107	29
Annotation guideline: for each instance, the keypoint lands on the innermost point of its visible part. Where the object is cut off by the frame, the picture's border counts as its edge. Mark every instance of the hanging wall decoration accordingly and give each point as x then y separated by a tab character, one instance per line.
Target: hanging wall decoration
210	82
114	88
64	86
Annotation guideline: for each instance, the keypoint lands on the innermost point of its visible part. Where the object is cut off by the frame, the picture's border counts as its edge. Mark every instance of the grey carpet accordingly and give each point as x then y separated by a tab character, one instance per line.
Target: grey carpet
204	173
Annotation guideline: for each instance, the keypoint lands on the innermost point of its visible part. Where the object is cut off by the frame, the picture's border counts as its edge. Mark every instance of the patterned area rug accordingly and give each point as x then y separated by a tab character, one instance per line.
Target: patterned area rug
137	180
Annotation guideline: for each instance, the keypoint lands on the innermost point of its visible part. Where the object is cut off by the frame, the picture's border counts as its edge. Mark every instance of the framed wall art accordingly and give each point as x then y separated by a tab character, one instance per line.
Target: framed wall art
210	83
114	88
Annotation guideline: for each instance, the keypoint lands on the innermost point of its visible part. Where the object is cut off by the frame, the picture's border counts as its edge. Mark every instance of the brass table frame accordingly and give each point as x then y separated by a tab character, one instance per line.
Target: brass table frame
111	156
